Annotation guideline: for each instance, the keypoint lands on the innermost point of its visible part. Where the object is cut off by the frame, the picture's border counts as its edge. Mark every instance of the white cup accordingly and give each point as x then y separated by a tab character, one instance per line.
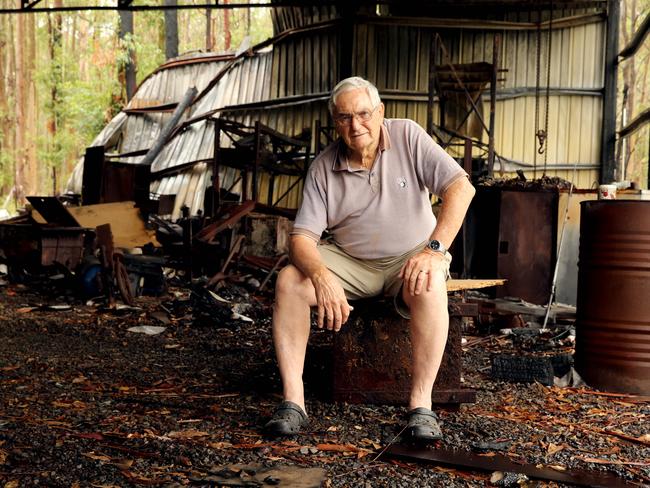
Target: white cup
607	192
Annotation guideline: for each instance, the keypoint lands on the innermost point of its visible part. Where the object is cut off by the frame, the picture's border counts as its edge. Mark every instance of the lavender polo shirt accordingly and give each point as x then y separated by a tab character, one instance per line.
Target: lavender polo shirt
384	212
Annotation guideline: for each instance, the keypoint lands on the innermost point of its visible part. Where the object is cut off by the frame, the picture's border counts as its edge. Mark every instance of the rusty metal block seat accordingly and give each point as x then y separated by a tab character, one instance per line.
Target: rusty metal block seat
372	358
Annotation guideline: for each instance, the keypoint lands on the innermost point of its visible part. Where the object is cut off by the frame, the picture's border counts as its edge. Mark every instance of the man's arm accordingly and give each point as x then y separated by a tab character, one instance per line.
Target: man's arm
455	202
332	304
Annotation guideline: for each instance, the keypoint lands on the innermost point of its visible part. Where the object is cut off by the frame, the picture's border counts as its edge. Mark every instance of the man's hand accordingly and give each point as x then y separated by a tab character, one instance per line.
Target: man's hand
333	307
419	271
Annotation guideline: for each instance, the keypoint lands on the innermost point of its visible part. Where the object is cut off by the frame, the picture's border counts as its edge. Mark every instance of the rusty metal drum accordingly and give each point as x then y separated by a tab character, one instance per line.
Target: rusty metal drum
613	308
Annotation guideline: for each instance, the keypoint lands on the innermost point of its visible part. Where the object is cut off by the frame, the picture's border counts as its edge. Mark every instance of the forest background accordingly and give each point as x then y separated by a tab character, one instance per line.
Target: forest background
63	78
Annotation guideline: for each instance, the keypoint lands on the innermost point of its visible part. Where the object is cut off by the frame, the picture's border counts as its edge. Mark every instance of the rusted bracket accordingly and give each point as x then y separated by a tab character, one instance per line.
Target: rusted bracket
497	462
27	4
235	214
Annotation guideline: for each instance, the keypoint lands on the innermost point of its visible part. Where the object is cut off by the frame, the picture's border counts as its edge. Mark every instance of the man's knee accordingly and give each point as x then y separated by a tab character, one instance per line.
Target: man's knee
292	282
436	297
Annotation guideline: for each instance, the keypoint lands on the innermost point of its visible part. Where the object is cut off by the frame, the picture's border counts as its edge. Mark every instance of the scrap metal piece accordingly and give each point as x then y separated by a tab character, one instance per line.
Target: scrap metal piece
498	462
122	279
234	215
53	211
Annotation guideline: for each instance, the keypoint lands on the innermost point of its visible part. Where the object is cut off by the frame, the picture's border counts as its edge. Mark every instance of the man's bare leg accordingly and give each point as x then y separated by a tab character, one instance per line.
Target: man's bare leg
429	327
294	295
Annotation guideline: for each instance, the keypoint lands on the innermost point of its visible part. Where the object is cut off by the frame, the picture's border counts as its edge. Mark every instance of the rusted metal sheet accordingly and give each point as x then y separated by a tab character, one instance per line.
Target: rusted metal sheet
26	246
53	211
63	246
372	359
613	311
526	245
497	462
512	235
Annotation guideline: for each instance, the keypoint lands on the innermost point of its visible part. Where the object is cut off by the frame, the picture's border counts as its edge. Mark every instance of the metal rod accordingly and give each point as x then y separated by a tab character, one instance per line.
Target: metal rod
559	250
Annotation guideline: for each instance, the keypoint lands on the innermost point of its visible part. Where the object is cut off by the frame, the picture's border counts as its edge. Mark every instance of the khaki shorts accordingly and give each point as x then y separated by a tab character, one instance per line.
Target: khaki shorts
365	278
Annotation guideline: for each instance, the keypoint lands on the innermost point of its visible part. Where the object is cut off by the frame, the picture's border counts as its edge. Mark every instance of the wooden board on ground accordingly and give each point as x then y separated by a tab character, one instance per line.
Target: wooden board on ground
458	285
126	223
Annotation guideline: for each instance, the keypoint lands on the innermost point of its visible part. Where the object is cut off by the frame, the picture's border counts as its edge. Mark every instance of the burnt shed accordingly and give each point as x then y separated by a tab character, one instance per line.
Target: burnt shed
484	77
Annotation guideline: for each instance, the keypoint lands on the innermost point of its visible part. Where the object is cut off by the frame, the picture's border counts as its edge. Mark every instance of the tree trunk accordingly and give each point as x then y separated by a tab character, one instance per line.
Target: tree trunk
4	108
209	45
55	51
127	74
20	91
171	30
226	28
31	107
629	22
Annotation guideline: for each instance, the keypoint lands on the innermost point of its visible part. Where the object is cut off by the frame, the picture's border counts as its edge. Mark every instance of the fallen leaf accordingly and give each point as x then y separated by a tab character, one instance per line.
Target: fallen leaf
557	467
11	484
187	434
89	435
553	448
66	404
96	457
24	310
3	456
344	448
219	445
123	463
608	461
644	438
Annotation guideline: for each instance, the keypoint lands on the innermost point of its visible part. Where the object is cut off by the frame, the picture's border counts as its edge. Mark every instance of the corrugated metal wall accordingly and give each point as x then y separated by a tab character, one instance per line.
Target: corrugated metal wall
397	59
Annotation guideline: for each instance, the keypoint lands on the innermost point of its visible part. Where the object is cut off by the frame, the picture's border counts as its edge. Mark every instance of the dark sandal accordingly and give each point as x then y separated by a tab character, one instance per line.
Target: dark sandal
287	419
422	426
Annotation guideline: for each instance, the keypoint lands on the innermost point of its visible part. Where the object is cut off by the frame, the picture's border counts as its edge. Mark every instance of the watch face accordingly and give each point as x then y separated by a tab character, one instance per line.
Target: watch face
435	245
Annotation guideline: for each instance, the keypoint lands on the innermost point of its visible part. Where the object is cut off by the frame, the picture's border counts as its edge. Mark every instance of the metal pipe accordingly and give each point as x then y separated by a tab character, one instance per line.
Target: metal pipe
159	143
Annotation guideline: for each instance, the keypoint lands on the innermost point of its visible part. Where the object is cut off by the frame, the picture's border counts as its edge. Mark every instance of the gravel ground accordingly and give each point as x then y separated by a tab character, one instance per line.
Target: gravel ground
84	402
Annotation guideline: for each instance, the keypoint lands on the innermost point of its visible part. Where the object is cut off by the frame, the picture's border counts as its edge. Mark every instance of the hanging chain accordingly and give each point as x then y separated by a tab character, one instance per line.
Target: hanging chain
548	84
537	83
542	133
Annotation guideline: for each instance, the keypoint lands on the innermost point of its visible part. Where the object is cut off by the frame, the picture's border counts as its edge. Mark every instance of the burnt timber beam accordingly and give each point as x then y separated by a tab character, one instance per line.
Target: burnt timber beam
608	165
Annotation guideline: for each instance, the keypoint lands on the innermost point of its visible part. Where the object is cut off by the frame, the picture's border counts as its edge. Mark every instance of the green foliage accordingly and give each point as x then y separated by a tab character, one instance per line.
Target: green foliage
78	88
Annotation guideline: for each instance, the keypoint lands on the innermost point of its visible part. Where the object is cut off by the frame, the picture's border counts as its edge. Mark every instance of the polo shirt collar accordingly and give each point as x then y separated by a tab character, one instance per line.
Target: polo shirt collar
341	159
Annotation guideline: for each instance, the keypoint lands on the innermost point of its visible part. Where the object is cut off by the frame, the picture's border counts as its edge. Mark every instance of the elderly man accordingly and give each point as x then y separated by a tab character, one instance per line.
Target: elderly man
371	190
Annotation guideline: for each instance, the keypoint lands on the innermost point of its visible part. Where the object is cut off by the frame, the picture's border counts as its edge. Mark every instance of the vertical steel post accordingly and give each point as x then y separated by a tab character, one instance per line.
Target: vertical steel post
608	165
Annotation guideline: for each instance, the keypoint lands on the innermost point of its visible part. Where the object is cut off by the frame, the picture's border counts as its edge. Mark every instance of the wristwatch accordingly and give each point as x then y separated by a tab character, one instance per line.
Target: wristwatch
437	246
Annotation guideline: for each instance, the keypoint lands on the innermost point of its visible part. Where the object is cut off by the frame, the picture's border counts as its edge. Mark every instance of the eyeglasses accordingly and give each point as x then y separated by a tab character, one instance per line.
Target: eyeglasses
363	116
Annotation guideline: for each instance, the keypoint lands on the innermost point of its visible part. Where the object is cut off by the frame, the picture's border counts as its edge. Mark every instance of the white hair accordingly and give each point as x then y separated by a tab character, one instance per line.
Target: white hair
353	83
